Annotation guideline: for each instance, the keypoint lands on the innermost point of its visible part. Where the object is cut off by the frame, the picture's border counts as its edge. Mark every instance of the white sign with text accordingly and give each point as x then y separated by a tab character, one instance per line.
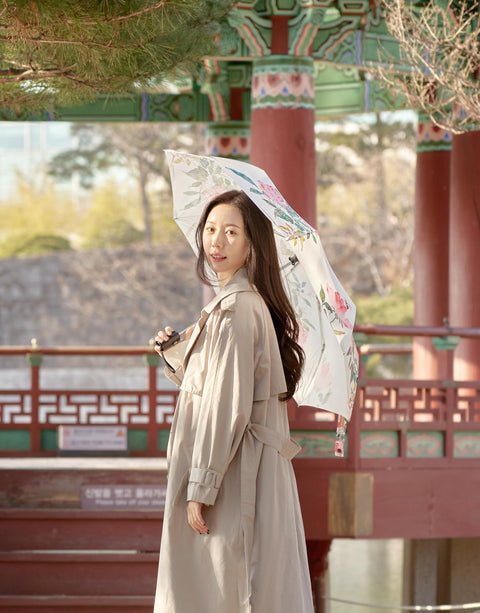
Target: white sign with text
92	438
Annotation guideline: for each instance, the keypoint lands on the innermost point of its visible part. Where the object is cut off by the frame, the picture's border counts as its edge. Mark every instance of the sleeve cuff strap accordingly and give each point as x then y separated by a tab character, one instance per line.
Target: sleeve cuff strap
203	485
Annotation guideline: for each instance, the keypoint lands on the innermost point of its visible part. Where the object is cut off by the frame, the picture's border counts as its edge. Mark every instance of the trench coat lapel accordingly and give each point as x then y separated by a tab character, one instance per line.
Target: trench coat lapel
238	283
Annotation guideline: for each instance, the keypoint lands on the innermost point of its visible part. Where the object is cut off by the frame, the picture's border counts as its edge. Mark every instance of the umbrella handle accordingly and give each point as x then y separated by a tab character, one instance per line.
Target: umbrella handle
174	337
173	340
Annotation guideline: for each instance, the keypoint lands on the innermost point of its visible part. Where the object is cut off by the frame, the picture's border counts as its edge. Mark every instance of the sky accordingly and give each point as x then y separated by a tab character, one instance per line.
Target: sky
27	146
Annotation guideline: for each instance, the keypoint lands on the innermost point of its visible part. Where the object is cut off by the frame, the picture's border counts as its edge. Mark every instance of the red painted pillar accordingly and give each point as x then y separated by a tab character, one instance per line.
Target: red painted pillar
464	295
282	128
430	253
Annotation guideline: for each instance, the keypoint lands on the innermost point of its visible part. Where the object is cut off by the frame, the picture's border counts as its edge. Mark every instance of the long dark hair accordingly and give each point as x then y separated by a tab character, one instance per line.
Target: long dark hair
264	273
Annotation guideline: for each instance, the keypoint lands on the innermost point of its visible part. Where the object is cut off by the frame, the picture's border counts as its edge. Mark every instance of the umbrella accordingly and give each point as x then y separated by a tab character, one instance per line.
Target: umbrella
323	309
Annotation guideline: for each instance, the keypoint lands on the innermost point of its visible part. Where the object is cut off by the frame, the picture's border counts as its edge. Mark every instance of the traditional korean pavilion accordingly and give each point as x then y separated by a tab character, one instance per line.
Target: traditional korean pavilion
282	65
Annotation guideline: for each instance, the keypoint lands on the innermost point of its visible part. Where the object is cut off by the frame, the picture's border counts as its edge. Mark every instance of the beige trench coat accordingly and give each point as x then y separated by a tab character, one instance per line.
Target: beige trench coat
230	449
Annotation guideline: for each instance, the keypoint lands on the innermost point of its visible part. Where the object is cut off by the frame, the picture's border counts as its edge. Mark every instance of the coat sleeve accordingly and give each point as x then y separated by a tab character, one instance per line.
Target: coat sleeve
175	356
227	400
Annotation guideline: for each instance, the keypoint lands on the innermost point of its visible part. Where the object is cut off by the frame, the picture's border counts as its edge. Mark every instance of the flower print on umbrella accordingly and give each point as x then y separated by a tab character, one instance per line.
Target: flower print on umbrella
302	334
272	193
206	185
323	389
291	230
337	302
299	300
334	304
215	190
292	226
326	374
296	227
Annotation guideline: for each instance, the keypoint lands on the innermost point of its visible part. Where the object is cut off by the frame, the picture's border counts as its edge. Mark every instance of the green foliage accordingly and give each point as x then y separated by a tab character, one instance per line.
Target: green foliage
394	309
115	233
36	219
38	207
70	51
111	220
21	244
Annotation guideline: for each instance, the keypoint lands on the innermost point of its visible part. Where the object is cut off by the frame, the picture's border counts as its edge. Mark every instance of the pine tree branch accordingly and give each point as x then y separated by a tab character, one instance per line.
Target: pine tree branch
83	43
122	18
143	11
68	54
16	75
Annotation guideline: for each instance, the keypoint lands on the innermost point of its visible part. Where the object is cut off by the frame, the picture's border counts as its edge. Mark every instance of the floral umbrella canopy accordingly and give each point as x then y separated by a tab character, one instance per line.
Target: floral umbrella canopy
323	309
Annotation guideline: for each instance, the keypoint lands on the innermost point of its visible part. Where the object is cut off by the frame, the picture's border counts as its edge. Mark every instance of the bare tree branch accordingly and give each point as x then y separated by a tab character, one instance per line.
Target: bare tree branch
441	45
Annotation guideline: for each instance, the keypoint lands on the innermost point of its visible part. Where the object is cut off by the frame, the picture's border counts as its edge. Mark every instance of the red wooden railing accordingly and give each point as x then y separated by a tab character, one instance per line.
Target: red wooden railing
41	410
442	414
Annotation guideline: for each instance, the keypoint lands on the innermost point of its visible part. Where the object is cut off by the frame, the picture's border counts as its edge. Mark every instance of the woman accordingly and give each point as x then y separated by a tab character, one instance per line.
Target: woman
233	539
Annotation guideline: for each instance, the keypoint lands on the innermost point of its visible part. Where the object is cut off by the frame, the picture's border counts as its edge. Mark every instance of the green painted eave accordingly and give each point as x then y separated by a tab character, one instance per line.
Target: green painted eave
186	107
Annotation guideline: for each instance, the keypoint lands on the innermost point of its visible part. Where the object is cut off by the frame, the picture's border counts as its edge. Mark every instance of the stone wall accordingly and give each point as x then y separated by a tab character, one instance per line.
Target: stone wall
105	297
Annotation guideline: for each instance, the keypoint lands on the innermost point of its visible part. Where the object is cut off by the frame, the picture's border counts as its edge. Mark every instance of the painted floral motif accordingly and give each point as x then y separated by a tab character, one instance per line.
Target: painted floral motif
205	181
320	395
272	192
302	334
335	307
214	191
299	299
337	302
287	222
326	374
283	89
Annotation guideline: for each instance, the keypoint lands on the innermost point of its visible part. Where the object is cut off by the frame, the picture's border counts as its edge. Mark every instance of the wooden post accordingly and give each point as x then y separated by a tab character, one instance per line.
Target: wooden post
464	260
152	361
350	504
35	361
430	251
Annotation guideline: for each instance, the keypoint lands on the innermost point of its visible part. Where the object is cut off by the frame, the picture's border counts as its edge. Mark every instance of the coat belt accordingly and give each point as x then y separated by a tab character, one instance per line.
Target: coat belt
285	446
248	486
288	449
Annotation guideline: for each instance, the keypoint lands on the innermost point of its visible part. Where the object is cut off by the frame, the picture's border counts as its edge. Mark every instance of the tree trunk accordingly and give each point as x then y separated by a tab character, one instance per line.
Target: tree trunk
380	175
146	208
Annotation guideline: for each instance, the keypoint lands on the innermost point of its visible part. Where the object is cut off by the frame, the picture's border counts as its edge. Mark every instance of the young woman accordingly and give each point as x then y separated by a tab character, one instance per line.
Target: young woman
233	538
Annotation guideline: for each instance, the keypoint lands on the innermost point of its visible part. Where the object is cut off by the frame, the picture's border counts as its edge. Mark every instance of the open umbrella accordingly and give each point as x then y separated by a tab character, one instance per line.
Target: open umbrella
324	311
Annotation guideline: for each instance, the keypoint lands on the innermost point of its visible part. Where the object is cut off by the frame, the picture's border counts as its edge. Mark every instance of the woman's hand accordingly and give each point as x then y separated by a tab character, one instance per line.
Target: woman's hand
163	336
195	518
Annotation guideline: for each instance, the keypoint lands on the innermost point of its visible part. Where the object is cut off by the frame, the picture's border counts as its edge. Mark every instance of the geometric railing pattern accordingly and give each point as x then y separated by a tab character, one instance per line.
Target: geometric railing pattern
419	401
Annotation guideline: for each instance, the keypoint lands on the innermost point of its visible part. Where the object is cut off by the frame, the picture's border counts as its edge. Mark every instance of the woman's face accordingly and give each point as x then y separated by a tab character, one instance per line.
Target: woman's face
225	242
